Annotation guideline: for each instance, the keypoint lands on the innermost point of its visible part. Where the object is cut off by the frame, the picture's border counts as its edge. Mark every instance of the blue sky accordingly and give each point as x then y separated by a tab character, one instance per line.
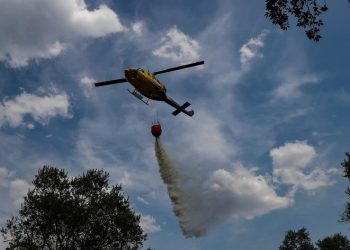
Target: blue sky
260	156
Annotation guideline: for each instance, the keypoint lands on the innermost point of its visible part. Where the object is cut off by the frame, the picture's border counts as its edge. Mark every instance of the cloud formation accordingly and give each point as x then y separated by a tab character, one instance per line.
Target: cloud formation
237	193
43	29
17	188
251	194
178	47
292	82
291	167
208	197
204	130
5	174
86	83
148	224
138	28
13	112
251	49
205	191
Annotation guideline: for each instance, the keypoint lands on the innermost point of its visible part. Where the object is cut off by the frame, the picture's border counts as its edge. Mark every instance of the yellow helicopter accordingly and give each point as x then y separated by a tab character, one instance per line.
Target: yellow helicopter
147	85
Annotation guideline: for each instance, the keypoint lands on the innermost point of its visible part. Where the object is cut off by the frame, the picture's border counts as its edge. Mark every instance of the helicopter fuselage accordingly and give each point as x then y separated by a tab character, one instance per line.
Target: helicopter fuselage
146	83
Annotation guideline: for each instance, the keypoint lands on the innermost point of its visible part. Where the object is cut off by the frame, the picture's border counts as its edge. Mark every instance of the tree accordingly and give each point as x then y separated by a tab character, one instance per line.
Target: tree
83	212
307	13
336	241
297	240
346	168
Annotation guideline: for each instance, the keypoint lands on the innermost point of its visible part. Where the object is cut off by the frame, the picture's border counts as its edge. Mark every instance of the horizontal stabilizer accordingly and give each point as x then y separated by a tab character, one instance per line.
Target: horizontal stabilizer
182	109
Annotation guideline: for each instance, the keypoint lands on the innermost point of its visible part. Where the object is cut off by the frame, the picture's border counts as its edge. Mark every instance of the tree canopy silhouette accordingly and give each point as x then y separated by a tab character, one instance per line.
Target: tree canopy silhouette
346	168
306	12
82	212
297	240
336	241
300	240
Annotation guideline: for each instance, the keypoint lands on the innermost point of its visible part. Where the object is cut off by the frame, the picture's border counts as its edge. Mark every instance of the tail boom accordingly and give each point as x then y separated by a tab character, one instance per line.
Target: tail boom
178	108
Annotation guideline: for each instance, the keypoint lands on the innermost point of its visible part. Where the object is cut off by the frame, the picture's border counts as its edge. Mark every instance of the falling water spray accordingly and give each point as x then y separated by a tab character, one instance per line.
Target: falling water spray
176	190
171	178
182	195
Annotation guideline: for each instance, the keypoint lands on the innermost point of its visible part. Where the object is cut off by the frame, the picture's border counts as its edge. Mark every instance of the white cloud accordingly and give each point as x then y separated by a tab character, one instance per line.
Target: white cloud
210	142
149	224
40	108
5	174
178	47
251	50
86	83
248	193
138	27
18	189
206	136
220	66
91	154
126	180
297	154
238	193
142	200
205	195
88	155
290	163
43	29
292	82
96	23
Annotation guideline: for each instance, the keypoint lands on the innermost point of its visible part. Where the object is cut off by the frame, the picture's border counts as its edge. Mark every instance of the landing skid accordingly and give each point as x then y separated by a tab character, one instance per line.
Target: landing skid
138	96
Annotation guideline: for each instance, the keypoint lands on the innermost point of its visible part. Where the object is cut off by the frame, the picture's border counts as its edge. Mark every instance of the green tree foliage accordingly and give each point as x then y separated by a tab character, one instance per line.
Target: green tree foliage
83	212
297	240
346	167
306	12
336	241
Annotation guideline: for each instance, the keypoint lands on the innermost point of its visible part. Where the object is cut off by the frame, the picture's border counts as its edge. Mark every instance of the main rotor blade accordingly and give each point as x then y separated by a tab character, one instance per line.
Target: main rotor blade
99	84
179	67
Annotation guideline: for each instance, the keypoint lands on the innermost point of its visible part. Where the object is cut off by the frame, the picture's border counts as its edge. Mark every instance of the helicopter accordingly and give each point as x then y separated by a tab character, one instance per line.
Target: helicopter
147	85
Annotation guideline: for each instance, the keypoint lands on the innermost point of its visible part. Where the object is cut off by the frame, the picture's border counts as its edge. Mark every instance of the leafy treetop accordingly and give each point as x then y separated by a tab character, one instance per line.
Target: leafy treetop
74	213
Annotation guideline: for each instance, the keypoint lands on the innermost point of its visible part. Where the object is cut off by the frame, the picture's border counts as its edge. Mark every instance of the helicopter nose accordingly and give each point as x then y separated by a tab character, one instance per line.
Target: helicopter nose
130	73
